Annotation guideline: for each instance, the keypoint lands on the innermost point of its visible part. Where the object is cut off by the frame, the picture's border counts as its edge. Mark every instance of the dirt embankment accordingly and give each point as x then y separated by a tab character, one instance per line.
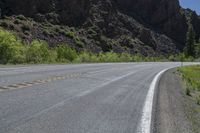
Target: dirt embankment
175	112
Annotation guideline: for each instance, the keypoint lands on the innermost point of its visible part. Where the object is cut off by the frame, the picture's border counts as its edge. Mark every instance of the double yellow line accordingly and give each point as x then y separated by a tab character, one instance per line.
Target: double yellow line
39	82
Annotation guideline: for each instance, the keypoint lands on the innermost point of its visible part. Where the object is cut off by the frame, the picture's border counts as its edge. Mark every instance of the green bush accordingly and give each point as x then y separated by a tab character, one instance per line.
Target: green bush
38	52
86	57
70	34
52	56
91	32
65	53
125	57
11	49
78	42
137	58
109	57
180	57
171	58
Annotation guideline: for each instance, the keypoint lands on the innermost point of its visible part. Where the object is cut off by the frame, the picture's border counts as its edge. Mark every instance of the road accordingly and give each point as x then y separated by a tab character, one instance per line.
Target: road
88	98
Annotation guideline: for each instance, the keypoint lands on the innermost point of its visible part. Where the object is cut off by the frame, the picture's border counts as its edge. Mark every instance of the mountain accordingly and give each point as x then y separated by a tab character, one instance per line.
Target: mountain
147	27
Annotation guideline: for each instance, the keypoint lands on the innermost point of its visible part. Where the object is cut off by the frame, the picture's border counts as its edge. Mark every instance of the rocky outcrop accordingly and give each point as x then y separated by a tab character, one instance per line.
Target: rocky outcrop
163	15
148	27
71	12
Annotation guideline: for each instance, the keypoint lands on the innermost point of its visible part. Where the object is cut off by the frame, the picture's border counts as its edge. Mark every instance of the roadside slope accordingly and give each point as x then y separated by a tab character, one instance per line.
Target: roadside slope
174	110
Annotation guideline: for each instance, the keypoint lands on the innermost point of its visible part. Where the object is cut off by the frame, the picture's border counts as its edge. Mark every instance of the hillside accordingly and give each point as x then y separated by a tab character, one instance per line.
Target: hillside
147	27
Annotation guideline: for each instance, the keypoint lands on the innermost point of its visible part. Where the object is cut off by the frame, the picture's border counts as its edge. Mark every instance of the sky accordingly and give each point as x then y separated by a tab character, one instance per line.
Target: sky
192	4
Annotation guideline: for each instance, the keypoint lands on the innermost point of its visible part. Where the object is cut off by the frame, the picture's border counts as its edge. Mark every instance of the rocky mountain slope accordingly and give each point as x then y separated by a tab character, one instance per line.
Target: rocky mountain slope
147	27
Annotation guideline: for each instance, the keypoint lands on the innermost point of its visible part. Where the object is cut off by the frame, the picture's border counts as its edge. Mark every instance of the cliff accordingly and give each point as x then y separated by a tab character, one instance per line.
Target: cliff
147	27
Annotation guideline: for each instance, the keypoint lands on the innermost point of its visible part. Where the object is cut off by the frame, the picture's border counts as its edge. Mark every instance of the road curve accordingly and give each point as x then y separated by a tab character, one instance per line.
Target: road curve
88	98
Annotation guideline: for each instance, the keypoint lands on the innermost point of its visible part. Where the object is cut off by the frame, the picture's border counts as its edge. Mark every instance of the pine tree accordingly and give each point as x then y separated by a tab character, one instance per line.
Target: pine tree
190	42
197	49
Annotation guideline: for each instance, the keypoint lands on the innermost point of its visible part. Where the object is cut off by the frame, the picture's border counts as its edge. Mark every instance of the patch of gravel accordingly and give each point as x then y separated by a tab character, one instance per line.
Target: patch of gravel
174	112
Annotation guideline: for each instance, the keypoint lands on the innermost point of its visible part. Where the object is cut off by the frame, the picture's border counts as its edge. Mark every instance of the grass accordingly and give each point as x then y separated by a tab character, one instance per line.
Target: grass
191	76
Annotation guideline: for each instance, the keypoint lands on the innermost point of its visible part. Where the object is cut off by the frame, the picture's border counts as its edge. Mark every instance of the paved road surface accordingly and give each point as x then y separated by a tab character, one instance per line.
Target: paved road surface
90	98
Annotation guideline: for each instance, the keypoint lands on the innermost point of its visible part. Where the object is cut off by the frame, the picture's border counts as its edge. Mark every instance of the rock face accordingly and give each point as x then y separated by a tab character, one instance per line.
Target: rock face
163	15
66	11
148	27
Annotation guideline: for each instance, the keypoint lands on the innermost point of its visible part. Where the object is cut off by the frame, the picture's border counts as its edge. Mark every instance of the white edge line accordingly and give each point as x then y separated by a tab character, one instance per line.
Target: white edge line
145	123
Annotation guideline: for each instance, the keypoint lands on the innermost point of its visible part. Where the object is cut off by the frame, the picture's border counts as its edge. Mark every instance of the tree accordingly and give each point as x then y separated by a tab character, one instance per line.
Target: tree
197	49
190	42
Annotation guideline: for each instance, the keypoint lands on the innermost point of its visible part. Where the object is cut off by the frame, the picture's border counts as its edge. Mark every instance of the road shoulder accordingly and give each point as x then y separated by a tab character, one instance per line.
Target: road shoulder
174	111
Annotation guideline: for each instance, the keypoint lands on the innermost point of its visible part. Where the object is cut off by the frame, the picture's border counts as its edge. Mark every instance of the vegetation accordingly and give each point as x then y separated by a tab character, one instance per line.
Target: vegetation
14	51
65	54
180	57
38	52
192	47
11	49
190	41
197	49
191	75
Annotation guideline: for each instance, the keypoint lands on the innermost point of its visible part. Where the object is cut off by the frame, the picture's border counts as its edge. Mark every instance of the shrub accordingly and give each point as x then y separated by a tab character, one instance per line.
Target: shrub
65	53
11	48
25	27
125	57
38	52
137	58
87	57
91	33
171	58
52	56
70	34
83	57
109	57
47	32
79	43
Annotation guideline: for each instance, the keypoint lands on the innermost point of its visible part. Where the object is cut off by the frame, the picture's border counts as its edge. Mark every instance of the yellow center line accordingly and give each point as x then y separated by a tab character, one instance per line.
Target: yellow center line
39	82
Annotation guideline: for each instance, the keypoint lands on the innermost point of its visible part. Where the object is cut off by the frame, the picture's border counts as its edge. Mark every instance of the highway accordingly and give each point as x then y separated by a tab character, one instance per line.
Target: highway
86	98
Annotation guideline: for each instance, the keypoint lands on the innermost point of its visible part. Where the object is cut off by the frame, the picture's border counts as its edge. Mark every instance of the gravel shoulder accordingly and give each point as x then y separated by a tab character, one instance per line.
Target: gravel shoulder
174	111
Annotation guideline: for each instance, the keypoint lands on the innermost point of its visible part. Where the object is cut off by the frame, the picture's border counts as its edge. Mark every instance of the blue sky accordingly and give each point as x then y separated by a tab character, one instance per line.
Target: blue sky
192	4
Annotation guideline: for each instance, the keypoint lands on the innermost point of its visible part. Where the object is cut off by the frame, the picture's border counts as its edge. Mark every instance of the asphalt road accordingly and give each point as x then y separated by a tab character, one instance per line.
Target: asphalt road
88	98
